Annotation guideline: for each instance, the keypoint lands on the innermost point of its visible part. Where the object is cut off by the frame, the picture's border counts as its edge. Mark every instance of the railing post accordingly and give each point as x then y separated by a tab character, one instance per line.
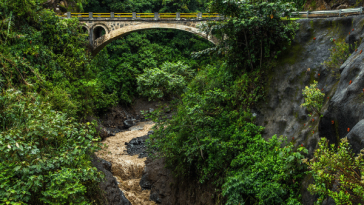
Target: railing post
90	14
68	15
178	16
221	17
340	13
112	15
307	13
156	16
199	16
133	16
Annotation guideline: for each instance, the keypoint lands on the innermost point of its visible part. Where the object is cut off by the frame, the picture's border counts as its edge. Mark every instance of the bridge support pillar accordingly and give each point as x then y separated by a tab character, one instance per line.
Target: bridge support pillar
178	16
156	16
91	37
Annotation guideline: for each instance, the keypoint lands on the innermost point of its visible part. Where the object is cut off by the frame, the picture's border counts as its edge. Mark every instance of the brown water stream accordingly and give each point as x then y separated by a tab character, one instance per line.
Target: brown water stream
127	169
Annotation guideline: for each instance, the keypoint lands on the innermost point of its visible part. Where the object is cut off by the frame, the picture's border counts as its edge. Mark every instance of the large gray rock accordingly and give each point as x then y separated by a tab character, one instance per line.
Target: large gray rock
346	107
356	137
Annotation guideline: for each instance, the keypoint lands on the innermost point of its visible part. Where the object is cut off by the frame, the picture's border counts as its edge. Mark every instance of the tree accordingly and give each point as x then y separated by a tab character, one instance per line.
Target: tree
252	32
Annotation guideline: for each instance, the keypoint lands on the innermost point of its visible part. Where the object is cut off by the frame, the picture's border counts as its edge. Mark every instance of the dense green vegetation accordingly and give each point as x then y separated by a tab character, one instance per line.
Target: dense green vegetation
212	136
124	59
48	86
337	167
147	6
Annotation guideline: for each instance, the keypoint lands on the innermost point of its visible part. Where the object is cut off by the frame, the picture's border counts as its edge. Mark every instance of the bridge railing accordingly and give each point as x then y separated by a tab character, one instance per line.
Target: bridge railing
329	13
134	15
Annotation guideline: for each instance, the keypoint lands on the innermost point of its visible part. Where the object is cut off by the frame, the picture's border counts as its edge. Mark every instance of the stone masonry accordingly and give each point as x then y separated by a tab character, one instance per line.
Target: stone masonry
114	29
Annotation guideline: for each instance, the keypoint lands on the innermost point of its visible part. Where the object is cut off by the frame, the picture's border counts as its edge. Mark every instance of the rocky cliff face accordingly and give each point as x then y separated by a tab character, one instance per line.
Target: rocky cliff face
281	113
343	109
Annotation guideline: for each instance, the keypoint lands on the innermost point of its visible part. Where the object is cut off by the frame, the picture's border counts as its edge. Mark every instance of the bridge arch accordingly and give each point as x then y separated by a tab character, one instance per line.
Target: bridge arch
101	42
98	30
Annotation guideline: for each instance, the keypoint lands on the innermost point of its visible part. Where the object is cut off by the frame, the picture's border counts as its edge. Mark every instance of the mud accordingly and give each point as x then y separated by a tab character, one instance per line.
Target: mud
127	169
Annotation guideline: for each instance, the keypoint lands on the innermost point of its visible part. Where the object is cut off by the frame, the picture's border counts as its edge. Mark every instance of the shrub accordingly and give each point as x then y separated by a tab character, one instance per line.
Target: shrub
337	173
44	154
313	98
265	173
168	81
338	53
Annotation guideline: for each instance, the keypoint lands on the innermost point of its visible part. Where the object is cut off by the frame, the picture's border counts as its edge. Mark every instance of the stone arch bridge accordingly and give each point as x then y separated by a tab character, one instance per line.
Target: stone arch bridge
106	27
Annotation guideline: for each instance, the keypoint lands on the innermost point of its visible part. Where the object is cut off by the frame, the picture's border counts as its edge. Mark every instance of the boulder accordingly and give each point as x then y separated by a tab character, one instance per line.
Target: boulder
356	137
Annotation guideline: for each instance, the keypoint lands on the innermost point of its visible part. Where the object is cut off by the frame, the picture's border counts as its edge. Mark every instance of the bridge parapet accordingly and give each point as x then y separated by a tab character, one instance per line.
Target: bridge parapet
143	16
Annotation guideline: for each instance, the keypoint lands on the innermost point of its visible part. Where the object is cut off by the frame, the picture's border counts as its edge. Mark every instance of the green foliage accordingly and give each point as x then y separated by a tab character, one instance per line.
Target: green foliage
253	33
124	59
48	54
44	154
48	85
168	81
206	117
162	6
339	53
313	98
337	173
212	136
264	172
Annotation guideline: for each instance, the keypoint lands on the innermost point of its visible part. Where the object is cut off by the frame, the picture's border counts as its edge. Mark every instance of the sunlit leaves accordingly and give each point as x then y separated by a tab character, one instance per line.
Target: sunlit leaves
313	98
337	172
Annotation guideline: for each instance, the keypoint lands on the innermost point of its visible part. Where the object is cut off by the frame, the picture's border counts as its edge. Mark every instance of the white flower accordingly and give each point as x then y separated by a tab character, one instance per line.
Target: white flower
17	145
9	146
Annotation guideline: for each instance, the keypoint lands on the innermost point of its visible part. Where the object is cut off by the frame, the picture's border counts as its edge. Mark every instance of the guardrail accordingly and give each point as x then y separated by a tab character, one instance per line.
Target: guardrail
329	13
178	16
134	15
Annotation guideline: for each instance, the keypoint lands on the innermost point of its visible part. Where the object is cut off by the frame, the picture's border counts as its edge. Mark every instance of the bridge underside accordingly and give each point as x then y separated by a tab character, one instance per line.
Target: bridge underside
116	29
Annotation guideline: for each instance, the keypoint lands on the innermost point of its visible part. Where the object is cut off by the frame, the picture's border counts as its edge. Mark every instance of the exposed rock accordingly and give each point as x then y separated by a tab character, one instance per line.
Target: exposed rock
281	113
129	123
346	107
137	146
169	190
109	186
356	137
119	118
